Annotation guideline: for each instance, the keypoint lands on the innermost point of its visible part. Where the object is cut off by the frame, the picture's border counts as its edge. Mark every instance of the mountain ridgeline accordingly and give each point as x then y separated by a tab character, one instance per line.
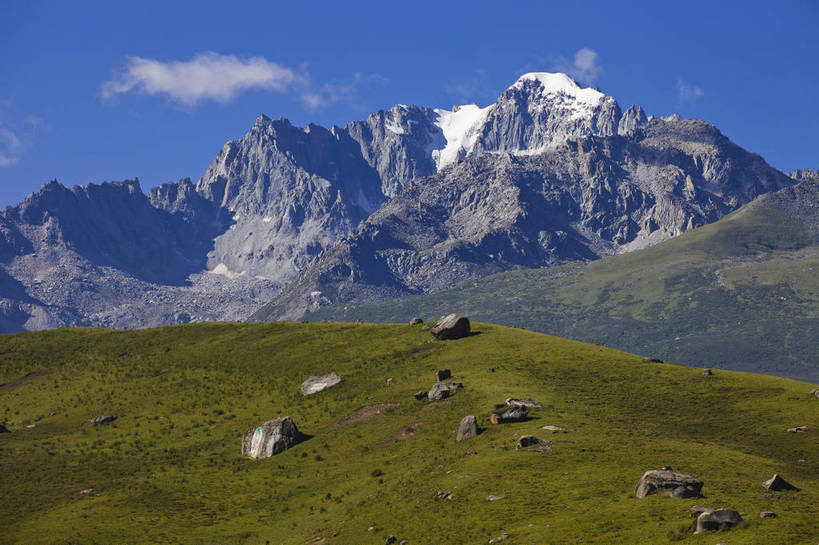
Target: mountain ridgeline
410	200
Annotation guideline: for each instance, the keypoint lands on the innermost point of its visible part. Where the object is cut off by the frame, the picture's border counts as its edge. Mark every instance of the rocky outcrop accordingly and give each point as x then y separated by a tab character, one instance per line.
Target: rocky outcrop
778	484
451	327
105	419
467	428
270	438
815	393
314	385
668	483
634	118
717	519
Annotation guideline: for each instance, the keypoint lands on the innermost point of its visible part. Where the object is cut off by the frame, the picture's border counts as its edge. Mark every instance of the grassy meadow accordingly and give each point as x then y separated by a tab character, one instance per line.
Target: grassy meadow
169	468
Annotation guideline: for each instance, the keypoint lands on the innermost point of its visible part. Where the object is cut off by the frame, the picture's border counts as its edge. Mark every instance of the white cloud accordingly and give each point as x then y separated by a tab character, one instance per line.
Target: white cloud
584	68
687	92
208	76
10	147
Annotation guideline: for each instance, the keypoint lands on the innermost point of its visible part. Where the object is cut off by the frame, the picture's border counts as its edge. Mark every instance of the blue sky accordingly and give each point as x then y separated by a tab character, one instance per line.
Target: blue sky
97	91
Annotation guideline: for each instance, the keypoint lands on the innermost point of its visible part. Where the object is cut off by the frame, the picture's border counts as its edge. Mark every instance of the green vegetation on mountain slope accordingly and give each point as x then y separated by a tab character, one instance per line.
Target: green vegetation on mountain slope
169	469
742	293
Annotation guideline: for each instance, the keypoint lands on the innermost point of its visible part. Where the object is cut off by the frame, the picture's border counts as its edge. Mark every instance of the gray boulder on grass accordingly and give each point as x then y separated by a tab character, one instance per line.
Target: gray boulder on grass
527	402
451	327
718	519
416	321
668	483
314	385
467	428
815	392
778	484
443	390
99	420
269	438
532	442
515	414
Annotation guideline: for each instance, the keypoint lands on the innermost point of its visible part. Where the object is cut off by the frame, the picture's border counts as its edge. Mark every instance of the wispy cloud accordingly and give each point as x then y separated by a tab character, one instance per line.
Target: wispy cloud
15	140
687	92
472	88
344	90
207	76
585	67
10	147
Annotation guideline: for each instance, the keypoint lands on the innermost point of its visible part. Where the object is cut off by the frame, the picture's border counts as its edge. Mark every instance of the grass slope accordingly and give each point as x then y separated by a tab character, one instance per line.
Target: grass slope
169	469
742	293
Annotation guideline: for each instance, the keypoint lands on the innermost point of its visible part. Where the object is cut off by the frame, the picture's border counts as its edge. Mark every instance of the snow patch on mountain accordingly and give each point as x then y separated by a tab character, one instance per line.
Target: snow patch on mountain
460	127
222	270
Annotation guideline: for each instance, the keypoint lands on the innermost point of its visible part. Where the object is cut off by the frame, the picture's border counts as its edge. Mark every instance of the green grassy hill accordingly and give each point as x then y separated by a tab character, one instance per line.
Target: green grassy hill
169	469
742	293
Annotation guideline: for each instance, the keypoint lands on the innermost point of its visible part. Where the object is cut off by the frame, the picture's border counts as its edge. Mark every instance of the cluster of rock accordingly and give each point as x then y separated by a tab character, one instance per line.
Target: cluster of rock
677	485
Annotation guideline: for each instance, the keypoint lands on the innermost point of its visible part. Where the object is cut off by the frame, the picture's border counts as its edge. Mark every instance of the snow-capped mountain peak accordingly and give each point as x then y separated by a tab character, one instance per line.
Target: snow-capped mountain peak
560	83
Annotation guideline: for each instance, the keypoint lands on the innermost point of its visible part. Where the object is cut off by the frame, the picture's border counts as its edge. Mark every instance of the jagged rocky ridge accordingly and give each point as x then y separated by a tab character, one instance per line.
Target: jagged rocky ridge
588	198
550	172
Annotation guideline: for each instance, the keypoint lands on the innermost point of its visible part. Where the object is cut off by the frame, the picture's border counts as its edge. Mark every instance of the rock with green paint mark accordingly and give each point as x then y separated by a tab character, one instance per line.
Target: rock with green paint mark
269	438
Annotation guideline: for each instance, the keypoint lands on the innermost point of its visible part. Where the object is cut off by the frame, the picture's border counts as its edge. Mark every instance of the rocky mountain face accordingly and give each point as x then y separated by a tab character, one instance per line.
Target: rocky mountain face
587	198
550	172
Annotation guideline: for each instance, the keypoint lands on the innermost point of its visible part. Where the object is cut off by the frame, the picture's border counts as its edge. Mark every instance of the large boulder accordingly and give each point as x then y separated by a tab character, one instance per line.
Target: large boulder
815	392
778	484
467	428
451	327
668	483
443	390
269	438
718	519
416	321
314	385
